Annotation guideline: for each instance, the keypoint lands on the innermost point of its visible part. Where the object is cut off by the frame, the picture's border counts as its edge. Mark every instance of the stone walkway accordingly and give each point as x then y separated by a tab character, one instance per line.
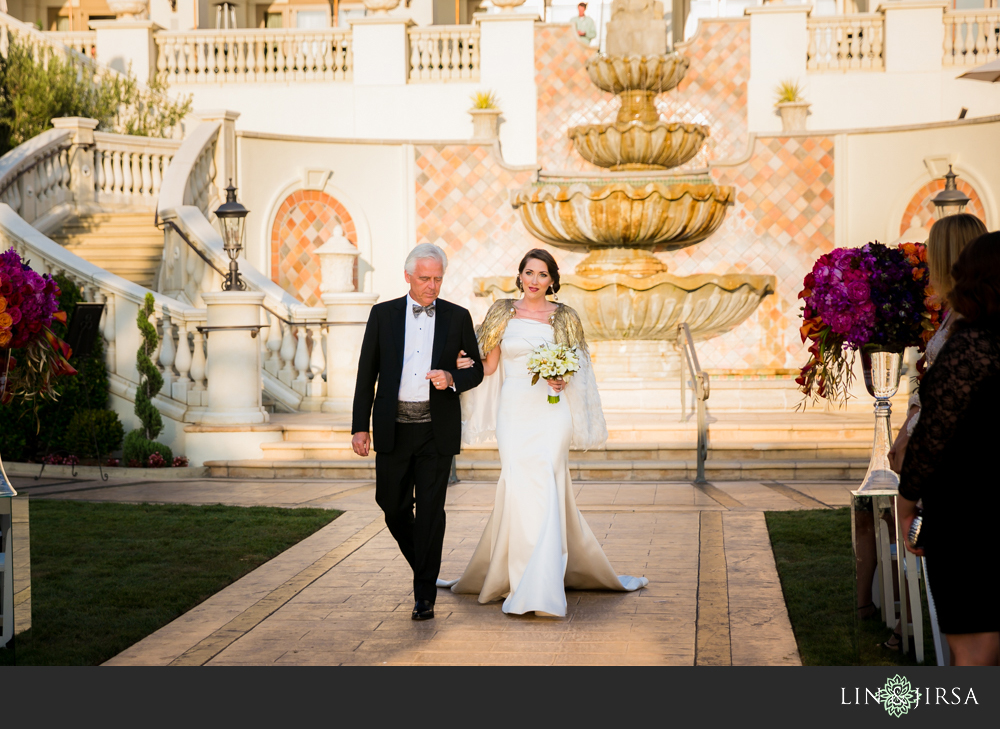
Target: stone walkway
343	595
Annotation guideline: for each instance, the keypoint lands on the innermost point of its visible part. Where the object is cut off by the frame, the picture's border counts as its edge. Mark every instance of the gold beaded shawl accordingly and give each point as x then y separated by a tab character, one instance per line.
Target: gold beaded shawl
566	325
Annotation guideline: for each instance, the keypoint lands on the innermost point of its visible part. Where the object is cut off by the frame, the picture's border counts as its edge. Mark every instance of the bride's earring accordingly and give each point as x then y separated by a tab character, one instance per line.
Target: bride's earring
552	293
520	286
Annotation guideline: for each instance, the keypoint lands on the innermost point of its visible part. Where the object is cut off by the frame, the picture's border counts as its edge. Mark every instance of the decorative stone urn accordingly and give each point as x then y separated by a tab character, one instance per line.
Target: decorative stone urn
381	7
638	145
507	6
129	9
336	260
485	123
793	115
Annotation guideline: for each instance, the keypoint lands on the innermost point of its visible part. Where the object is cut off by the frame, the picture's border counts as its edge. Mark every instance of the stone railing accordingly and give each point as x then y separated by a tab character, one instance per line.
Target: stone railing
444	53
254	56
81	41
295	349
35	177
129	170
181	356
971	37
846	43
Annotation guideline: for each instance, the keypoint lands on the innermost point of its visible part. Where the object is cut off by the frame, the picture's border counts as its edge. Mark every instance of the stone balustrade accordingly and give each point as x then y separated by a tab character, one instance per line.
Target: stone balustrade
35	177
83	42
846	42
444	53
129	170
254	56
971	37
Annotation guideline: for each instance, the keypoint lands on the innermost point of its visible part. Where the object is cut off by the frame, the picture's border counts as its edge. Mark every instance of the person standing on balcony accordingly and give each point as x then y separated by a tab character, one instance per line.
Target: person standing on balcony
410	349
586	29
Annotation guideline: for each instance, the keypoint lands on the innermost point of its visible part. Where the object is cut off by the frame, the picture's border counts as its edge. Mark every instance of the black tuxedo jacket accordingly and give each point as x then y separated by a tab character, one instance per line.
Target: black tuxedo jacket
381	361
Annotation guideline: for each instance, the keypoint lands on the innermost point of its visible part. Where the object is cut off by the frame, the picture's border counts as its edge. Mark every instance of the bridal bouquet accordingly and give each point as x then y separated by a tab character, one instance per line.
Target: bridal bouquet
28	306
553	361
857	297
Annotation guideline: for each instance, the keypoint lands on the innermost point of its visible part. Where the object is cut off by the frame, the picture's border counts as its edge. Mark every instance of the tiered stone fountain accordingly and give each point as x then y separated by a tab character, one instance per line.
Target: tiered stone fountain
620	289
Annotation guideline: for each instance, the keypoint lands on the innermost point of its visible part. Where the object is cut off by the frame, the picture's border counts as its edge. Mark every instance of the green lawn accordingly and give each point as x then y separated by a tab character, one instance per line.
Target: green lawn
812	550
104	576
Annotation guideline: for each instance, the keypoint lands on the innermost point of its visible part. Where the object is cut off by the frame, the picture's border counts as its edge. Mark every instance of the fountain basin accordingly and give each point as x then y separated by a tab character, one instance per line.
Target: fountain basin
620	307
588	214
617	74
637	145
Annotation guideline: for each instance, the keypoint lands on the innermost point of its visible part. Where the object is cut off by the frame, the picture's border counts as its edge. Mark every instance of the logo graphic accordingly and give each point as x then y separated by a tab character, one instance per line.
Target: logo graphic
898	697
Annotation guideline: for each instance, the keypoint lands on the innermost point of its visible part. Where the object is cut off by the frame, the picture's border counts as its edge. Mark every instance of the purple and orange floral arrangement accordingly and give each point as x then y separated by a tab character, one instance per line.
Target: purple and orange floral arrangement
29	304
873	296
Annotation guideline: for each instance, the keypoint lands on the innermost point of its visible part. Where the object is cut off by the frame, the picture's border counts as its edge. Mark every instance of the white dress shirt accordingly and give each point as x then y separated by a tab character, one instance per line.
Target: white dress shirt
418	344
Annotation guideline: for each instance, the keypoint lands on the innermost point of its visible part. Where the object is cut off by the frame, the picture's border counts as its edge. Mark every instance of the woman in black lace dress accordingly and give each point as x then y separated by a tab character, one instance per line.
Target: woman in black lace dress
951	462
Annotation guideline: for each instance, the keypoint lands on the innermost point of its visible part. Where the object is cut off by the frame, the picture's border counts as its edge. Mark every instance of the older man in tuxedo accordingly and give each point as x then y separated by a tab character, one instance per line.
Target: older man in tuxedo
410	349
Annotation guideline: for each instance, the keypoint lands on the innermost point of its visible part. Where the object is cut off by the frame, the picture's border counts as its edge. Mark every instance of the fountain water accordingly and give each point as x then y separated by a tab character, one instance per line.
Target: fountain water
620	289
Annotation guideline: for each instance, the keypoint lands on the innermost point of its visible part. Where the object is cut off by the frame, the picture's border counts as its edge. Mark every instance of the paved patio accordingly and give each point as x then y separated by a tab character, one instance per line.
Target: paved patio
343	595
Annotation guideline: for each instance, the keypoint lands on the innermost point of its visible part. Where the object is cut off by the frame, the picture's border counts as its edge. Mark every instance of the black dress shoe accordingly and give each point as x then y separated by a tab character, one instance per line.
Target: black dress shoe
423	610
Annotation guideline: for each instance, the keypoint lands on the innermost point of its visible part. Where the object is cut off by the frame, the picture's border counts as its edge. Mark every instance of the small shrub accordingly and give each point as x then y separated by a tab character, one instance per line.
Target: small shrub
788	92
87	425
138	448
113	462
156	461
485	100
180	462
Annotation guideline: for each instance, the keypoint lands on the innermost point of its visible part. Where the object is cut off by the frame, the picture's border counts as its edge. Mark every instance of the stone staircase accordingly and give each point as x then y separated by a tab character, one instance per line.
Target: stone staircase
762	446
127	244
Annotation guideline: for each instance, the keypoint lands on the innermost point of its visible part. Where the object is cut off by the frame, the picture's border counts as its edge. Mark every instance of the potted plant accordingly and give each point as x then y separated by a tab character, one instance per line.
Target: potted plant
485	113
791	106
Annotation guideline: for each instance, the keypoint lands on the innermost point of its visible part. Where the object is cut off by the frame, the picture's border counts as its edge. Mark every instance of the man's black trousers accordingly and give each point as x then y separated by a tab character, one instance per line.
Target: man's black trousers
414	473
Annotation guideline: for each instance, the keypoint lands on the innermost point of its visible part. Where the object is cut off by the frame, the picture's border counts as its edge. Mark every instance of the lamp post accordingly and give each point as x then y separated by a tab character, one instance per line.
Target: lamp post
951	200
232	216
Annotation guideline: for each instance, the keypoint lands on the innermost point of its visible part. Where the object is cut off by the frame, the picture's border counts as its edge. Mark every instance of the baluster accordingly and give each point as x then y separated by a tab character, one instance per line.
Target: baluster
132	173
436	57
108	174
466	57
64	191
301	360
415	71
167	354
156	176
331	51
279	63
474	61
198	370
109	331
200	60
145	174
301	57
348	58
182	362
949	42
228	62
273	363
317	363
287	353
877	29
251	57
866	44
119	178
161	60
260	58
456	56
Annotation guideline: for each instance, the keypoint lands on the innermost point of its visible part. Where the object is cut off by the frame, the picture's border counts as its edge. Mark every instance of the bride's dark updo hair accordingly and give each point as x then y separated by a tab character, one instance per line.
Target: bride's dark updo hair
539	254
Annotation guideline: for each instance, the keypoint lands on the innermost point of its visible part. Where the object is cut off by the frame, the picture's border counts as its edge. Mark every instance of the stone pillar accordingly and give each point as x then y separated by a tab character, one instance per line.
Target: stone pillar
234	366
126	45
779	44
225	150
914	35
507	66
81	157
346	314
381	50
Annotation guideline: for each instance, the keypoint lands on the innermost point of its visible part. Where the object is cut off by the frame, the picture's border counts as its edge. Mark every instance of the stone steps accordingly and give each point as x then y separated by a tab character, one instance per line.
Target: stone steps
127	244
581	470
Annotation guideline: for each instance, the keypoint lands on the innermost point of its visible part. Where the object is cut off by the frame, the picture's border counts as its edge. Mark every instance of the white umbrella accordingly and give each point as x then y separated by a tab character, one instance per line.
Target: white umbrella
990	72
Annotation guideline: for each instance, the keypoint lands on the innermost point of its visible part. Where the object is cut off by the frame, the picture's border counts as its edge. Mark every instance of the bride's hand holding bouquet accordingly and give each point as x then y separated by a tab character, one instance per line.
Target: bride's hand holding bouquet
556	363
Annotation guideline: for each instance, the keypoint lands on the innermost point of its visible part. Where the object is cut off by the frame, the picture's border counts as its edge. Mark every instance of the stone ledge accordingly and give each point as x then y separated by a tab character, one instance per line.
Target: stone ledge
93	472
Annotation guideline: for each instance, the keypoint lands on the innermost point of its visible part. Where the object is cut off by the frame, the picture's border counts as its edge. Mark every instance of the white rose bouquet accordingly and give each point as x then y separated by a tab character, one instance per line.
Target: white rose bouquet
552	362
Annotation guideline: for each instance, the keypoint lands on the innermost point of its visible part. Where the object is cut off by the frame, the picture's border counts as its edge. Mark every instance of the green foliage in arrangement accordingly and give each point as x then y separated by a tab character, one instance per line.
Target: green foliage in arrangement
88	426
137	449
23	436
150	379
33	93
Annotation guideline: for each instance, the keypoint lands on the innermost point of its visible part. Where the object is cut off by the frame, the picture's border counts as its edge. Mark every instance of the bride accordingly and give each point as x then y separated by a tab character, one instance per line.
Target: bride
537	542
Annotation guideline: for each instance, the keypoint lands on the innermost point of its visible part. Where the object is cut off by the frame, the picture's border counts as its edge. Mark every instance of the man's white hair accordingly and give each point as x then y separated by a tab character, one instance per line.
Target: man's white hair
425	251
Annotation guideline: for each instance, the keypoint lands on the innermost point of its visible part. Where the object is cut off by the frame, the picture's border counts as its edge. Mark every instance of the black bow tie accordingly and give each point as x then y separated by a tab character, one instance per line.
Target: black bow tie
428	310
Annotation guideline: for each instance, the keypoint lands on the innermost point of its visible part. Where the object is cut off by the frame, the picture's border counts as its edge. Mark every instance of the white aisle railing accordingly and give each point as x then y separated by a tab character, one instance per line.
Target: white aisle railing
444	53
846	42
129	170
254	56
81	41
971	37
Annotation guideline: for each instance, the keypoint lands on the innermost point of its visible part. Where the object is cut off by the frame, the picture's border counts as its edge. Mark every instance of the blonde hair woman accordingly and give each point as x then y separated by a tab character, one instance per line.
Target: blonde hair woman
948	238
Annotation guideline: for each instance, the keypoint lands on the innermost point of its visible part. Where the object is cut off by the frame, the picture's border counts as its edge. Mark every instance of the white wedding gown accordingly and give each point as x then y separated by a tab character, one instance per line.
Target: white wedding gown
537	542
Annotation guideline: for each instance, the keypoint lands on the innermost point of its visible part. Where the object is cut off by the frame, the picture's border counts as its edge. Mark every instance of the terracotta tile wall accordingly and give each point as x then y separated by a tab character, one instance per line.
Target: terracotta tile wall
714	92
304	222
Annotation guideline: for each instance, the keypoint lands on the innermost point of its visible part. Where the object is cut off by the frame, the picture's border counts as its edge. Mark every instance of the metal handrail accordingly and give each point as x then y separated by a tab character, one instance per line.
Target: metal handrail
699	381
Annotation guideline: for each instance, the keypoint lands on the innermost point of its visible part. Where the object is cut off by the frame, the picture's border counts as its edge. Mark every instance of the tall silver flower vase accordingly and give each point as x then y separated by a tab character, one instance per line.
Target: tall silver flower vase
882	369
